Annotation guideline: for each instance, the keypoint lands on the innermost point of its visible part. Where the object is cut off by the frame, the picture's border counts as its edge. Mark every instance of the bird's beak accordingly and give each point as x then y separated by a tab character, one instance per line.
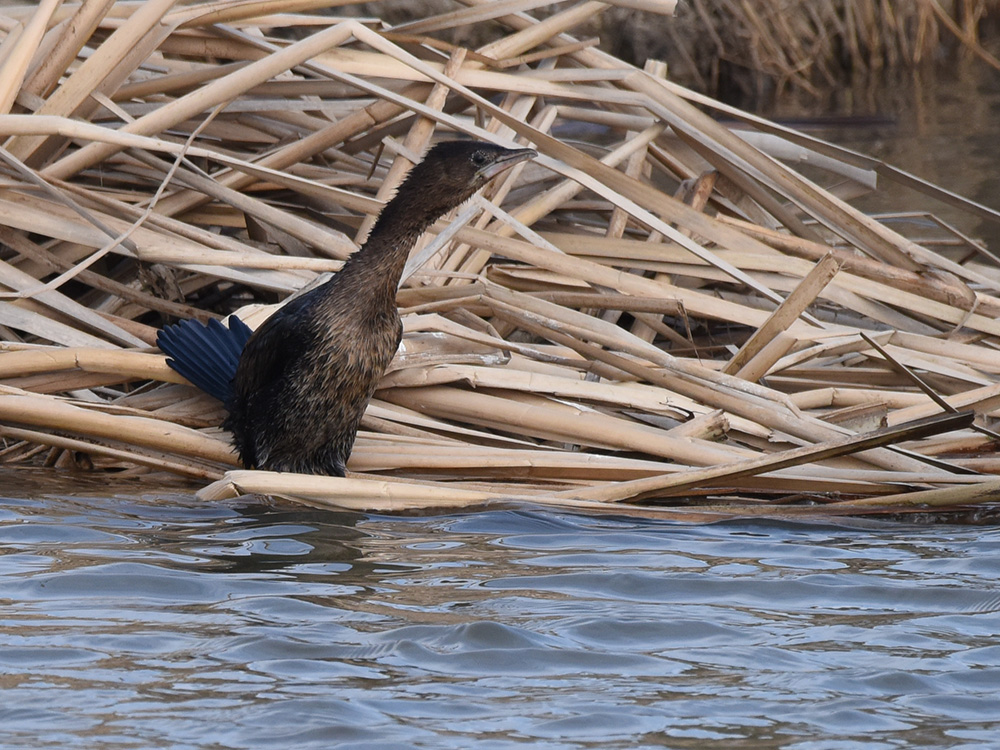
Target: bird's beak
507	160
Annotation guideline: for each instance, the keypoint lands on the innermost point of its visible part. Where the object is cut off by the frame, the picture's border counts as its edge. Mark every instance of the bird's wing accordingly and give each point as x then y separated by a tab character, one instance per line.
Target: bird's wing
268	355
207	355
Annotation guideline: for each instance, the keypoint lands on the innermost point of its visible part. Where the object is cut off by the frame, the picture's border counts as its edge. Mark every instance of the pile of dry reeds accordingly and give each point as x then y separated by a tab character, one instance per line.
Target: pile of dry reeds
678	315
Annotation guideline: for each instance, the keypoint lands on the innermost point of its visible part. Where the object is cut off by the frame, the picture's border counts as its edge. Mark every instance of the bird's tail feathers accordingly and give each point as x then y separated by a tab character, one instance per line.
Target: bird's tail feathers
206	355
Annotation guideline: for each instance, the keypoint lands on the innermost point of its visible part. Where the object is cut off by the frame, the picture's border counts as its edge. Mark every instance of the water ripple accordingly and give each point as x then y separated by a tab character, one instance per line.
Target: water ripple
155	621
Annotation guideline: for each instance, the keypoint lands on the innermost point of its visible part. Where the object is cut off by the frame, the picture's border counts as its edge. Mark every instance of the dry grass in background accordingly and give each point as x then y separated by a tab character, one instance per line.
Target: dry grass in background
757	53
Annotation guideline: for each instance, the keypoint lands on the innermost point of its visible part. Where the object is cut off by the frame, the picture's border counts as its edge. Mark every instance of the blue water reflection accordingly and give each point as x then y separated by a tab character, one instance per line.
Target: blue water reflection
138	621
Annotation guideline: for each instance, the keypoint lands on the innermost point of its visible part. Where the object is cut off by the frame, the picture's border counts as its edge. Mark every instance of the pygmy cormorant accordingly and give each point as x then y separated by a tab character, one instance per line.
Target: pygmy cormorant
296	389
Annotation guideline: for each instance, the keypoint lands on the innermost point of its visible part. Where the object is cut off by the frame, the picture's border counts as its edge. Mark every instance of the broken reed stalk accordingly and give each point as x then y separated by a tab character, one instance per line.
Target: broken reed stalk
588	333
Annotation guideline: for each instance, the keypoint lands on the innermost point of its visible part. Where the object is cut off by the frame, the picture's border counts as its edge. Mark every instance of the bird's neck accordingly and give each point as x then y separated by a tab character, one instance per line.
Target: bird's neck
380	261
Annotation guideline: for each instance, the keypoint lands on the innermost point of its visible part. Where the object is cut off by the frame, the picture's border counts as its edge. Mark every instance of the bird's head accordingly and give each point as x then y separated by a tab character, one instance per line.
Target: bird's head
452	171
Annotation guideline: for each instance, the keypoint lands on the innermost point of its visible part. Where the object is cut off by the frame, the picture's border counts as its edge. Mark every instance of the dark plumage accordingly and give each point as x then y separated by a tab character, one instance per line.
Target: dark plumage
297	388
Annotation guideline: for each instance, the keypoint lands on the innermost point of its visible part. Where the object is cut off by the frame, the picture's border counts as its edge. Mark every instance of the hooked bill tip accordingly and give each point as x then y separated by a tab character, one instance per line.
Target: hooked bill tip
507	160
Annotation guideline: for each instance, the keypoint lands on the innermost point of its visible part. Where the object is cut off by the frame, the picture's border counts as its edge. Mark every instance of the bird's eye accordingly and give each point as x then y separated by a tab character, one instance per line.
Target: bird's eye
478	158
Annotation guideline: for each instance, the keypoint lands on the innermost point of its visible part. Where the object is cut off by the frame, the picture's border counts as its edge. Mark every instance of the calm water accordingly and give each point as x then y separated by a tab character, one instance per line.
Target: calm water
150	620
940	126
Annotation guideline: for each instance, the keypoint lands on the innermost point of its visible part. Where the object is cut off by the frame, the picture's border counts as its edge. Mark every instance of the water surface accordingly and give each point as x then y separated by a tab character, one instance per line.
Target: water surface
939	125
148	619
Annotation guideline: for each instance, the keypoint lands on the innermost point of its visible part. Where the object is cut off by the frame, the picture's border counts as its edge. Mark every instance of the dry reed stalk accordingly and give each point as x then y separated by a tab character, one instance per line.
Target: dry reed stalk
721	474
351	493
578	336
786	313
160	461
38	411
